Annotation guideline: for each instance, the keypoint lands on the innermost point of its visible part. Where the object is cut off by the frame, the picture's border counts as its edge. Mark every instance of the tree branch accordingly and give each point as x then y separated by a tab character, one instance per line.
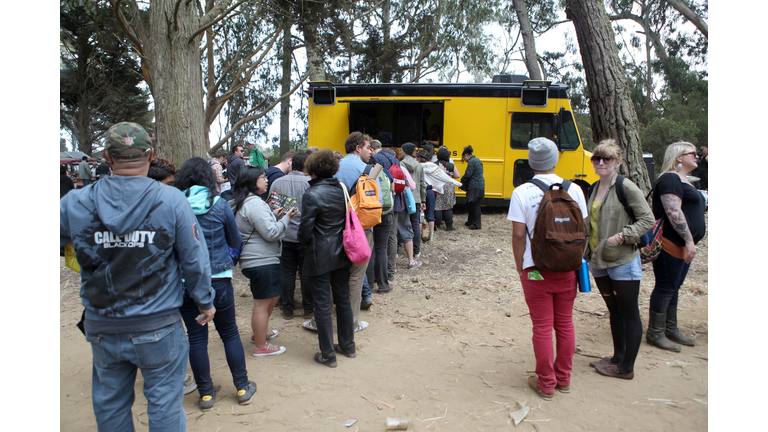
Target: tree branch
251	118
215	15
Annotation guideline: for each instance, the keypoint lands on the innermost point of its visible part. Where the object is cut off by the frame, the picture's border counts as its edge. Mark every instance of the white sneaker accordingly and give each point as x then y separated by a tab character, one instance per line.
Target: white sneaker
309	325
189	385
361	325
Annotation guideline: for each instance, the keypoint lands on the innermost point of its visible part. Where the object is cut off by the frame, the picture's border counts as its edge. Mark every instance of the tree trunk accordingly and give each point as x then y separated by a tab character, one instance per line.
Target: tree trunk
285	105
177	80
387	69
691	16
309	24
526	30
610	102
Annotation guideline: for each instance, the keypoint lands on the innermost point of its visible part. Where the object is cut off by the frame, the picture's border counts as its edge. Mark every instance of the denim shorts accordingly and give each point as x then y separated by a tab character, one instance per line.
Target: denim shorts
266	281
630	271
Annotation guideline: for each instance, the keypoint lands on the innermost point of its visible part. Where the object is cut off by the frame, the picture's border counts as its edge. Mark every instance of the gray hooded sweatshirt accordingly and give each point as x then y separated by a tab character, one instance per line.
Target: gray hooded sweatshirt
135	239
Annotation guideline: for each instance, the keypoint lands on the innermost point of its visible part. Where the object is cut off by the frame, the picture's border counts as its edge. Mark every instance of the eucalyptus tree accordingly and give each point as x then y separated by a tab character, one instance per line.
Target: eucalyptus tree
612	112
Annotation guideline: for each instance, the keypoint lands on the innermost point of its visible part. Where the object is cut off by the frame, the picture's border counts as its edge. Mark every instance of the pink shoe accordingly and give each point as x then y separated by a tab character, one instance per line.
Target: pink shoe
268	350
270	335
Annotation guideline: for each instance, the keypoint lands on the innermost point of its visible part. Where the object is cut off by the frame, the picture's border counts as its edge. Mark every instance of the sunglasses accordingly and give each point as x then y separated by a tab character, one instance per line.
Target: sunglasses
689	153
606	160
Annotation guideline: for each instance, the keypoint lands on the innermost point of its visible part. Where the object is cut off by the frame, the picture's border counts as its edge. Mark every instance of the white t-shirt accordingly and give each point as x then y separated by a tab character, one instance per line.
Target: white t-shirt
524	206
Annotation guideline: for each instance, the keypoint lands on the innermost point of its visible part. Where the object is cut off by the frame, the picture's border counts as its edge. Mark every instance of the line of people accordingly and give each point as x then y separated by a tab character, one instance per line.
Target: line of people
612	236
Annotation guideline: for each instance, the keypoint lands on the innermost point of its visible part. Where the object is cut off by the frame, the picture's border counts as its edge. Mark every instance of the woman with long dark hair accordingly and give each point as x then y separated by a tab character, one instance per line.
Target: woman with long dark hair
681	206
323	216
261	230
196	180
614	258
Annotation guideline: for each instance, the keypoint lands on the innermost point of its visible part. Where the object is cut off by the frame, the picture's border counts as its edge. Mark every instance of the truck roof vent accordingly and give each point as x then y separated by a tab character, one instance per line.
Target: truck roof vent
510	79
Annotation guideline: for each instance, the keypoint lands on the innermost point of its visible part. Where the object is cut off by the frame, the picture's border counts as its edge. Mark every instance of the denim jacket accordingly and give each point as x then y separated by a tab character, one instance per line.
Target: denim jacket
218	225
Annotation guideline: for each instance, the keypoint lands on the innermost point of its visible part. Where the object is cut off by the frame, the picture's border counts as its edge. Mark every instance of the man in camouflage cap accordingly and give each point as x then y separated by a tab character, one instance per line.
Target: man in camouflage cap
135	239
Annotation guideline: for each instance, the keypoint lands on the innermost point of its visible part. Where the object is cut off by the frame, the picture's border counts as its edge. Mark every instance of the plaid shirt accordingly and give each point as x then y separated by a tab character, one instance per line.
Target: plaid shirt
216	167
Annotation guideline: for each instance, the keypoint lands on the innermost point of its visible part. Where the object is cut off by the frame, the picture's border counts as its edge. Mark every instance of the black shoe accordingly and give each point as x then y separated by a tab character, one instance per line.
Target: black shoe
287	314
381	291
472	227
450	227
467	223
366	303
331	363
340	350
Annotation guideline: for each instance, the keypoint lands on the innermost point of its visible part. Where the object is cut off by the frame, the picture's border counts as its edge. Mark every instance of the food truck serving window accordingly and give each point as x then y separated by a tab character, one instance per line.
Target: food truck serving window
395	123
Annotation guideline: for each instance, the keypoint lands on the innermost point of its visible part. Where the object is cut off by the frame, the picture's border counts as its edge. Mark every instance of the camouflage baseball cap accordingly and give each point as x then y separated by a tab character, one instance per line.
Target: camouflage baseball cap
124	136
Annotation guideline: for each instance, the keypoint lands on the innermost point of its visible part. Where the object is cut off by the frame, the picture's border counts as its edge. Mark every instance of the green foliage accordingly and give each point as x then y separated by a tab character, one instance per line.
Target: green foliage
100	82
584	124
676	121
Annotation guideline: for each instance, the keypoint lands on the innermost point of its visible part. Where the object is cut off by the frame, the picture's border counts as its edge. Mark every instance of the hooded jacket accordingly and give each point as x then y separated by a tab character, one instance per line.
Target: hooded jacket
135	239
234	164
218	225
261	231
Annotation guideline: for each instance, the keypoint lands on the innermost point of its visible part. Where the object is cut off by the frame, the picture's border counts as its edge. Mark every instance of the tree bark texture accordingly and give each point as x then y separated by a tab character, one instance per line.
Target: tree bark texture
610	102
526	30
178	80
310	21
285	105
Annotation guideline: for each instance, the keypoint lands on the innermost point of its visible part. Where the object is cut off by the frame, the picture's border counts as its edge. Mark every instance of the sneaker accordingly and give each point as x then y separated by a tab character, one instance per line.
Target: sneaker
309	325
361	325
270	335
268	350
391	278
381	291
189	385
366	303
308	315
417	256
286	314
563	389
331	363
533	383
206	402
415	265
245	396
339	349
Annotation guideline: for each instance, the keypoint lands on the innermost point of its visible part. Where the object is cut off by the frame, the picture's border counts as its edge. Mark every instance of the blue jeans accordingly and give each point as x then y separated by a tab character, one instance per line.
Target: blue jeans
162	357
670	273
226	325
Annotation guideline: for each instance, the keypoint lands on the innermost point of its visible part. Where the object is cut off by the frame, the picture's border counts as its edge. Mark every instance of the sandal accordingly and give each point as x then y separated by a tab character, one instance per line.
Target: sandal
331	363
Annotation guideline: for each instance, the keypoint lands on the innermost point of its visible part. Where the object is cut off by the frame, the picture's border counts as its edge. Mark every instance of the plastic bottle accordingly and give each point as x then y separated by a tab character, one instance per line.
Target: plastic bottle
582	276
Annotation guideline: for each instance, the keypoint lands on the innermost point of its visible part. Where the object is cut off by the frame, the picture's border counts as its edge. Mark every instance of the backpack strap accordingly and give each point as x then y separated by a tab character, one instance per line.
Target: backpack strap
543	186
592	188
367	170
623	197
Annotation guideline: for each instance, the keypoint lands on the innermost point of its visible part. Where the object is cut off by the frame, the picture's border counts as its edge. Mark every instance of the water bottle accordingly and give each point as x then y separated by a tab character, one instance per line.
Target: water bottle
421	218
582	276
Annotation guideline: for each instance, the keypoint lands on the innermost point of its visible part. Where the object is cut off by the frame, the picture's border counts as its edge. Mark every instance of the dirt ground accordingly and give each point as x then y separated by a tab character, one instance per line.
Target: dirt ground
449	349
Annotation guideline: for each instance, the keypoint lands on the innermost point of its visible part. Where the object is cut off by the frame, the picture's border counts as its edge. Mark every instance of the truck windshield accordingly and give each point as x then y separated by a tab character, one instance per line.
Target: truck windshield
397	123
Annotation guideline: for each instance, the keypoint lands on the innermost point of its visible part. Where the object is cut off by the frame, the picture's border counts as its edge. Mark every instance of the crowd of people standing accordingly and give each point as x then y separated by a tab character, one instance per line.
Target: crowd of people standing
175	233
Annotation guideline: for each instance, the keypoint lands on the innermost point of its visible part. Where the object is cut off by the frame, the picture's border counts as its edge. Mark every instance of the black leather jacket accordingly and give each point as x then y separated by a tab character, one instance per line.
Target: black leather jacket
323	217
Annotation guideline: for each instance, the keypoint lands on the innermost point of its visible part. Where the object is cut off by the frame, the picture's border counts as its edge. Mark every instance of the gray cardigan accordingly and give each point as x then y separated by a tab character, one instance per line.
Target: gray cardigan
261	231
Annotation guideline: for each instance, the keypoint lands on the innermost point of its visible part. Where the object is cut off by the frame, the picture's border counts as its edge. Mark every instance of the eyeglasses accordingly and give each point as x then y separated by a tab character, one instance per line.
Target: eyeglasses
606	160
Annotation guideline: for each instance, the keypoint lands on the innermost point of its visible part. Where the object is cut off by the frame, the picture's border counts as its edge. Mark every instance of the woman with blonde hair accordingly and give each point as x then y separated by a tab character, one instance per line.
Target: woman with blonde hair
681	207
613	233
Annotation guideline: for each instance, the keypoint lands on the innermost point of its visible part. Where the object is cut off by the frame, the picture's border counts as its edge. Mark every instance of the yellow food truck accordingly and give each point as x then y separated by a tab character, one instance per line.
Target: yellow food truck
497	119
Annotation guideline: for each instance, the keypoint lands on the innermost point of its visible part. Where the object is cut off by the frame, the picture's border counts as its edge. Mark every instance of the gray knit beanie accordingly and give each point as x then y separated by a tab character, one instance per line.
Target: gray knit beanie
542	154
408	148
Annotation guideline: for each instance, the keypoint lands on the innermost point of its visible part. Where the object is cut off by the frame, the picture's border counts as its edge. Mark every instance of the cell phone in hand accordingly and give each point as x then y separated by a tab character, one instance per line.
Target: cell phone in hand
200	318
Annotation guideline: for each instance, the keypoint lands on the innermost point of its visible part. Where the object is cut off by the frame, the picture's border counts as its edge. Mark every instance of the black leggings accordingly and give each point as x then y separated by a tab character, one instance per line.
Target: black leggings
444	214
626	327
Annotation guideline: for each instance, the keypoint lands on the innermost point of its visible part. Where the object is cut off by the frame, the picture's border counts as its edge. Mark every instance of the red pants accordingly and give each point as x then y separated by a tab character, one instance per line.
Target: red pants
550	302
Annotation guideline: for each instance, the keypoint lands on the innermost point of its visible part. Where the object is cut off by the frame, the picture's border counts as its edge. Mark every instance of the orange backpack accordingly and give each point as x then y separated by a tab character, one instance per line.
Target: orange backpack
366	200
